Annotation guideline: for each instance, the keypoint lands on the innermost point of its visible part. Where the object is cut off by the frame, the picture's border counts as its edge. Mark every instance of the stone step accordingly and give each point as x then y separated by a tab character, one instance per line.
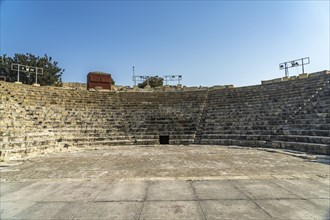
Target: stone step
20	152
311	132
272	95
250	143
305	147
86	143
28	144
304	139
325	127
236	137
27	137
183	141
325	133
259	99
77	138
272	90
289	138
247	126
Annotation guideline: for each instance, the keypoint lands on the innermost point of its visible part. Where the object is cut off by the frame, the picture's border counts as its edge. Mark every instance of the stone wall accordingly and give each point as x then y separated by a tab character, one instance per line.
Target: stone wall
292	114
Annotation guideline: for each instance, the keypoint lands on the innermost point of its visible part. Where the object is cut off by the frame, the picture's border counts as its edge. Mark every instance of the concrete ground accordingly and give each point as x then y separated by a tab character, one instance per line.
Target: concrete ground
166	182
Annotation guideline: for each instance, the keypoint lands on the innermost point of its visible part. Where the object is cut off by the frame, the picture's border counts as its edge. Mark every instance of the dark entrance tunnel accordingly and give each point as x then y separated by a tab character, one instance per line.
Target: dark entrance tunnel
164	139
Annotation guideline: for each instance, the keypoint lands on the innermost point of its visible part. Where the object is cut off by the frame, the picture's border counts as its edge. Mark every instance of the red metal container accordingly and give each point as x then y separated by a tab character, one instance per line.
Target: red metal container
99	80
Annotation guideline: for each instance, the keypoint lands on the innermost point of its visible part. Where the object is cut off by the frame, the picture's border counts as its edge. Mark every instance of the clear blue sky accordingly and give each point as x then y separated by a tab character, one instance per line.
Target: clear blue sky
209	43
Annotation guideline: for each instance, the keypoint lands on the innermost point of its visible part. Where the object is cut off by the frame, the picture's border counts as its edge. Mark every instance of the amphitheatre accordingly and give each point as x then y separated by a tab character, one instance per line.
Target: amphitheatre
253	152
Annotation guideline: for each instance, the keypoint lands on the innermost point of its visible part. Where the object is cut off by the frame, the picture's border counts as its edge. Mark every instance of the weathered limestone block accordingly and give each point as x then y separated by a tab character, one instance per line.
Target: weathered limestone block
303	76
277	80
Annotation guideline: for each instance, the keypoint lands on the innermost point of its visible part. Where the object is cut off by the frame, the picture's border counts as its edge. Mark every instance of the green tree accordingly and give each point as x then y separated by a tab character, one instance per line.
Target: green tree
51	72
153	81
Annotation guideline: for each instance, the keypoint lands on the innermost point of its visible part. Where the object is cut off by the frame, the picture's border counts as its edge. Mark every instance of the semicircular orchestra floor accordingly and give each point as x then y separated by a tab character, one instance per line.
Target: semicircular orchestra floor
166	182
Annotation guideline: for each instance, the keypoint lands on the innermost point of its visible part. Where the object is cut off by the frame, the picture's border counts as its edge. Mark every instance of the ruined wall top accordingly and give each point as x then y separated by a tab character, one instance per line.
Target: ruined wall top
170	88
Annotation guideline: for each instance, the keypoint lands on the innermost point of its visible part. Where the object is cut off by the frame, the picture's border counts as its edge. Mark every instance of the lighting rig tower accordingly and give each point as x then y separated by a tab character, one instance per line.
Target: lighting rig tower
177	78
27	69
294	63
139	78
167	78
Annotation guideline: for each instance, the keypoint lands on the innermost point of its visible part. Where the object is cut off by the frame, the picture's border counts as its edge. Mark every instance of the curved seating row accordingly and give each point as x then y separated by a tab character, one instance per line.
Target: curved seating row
294	114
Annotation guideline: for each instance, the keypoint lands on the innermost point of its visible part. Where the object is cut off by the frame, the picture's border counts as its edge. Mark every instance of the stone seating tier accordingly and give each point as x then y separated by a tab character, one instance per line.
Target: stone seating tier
292	114
124	116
